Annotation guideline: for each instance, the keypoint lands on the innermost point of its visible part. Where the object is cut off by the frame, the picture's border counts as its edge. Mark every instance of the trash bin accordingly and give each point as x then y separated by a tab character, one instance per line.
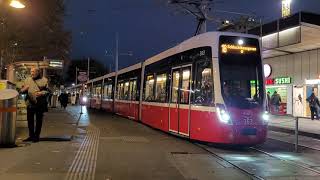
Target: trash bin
8	113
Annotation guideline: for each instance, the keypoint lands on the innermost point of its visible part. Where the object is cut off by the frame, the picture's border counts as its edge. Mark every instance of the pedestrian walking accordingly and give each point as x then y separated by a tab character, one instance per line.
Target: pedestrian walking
275	101
36	89
268	101
73	99
63	98
314	105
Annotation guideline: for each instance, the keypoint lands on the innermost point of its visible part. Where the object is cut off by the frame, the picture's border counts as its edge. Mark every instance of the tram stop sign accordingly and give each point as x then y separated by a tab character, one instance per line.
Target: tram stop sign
82	77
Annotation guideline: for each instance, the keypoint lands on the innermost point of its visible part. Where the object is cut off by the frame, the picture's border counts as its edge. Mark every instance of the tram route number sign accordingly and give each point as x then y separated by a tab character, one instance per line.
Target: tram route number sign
82	76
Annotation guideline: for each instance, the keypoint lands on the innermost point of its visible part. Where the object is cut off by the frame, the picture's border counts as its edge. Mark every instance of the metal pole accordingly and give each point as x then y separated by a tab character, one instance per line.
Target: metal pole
117	52
296	134
88	73
76	75
116	70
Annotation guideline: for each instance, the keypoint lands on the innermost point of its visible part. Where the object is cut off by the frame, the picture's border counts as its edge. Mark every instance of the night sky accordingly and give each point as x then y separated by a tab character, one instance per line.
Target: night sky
147	27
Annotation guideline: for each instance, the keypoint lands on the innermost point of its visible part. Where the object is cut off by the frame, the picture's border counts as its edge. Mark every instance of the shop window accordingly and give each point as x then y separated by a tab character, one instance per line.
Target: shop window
204	84
161	88
149	96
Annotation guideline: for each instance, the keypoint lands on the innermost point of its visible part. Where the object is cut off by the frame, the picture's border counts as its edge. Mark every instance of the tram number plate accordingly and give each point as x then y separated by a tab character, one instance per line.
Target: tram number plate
249	131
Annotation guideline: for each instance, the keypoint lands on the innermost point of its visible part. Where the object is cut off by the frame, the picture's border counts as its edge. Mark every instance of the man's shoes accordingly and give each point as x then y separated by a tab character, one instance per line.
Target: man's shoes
28	139
36	139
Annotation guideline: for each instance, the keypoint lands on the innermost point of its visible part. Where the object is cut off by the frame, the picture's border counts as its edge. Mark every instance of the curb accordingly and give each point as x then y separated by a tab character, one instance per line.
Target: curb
292	131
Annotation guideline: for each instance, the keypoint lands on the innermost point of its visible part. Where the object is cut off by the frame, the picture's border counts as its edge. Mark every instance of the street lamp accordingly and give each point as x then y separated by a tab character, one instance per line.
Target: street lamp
14	4
17	4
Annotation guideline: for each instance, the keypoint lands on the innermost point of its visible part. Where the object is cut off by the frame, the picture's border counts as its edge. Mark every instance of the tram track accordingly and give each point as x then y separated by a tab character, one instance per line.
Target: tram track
302	165
216	155
299	145
260	155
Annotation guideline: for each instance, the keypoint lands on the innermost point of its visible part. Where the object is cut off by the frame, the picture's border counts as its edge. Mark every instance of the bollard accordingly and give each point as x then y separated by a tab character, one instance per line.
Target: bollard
296	134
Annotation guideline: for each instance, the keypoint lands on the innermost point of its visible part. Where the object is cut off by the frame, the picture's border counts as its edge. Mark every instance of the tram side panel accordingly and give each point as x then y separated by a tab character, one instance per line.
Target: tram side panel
127	98
108	94
155	94
96	94
155	115
107	105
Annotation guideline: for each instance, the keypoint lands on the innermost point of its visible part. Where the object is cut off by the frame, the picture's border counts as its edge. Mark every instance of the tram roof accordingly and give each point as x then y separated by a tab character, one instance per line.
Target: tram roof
201	40
296	33
130	68
109	75
96	79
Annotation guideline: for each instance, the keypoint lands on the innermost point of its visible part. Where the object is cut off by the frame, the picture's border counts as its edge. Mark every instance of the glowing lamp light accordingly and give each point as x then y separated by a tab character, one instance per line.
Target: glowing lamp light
286	8
223	116
84	99
267	70
73	84
17	4
240	42
265	116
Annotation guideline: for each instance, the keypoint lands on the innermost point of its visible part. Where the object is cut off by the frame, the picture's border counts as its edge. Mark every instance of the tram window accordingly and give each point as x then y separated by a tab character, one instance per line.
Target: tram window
149	88
93	91
185	88
120	91
126	94
175	86
161	88
204	84
105	92
133	89
110	91
98	92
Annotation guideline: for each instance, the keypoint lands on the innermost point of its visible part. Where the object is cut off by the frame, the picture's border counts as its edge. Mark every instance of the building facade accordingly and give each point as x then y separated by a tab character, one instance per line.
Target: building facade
291	52
295	77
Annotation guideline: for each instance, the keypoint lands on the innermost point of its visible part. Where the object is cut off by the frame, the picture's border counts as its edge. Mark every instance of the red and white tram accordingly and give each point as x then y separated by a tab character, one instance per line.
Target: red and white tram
209	88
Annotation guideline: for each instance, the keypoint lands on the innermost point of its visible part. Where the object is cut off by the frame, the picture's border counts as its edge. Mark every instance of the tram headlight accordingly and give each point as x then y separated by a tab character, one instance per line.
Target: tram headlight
224	116
265	117
84	99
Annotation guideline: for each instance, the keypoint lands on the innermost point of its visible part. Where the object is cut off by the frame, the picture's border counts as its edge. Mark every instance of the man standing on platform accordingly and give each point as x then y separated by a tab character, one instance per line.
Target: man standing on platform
276	101
36	89
313	104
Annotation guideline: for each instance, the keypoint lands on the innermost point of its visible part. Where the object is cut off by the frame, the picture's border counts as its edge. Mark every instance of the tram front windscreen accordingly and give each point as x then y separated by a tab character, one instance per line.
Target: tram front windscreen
241	72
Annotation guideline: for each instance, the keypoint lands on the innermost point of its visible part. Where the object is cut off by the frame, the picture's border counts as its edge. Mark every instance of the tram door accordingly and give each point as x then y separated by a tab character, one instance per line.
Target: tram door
180	100
132	98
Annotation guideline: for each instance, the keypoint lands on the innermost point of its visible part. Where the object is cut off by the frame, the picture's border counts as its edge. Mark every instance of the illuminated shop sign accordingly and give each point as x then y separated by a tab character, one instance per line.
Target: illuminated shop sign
237	48
279	81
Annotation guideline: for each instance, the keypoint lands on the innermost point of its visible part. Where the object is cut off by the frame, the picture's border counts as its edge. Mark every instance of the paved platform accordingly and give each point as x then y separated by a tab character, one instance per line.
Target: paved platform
107	147
307	127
